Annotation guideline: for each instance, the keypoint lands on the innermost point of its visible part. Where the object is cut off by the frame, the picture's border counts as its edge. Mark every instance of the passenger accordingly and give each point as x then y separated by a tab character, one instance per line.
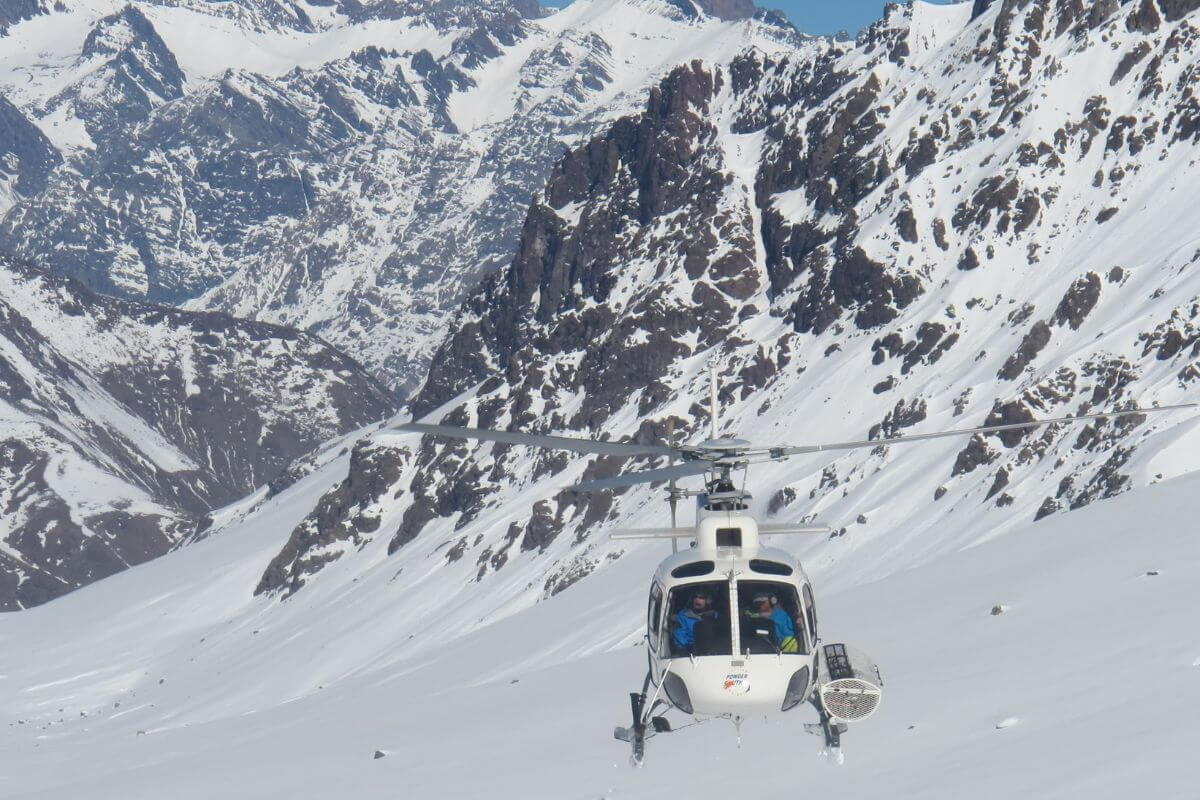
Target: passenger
761	607
699	608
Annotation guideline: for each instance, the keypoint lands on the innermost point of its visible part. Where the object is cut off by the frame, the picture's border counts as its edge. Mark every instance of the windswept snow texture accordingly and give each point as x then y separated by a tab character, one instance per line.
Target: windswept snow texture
170	680
352	169
122	425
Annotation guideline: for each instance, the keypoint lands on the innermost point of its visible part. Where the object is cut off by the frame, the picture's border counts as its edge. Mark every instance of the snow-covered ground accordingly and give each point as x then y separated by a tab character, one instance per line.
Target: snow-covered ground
169	680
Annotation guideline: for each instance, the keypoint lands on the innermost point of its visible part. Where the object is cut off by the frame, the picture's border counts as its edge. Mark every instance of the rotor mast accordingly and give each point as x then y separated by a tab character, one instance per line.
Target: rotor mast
712	397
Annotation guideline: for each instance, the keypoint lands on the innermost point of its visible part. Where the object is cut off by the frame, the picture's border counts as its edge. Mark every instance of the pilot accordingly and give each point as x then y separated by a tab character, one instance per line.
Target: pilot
697	609
762	607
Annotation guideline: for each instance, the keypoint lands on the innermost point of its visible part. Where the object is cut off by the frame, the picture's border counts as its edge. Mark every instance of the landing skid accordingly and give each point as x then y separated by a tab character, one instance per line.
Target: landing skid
832	731
645	723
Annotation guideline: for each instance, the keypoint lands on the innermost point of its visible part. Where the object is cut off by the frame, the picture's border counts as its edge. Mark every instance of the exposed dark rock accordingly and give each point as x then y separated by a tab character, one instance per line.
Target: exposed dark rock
1034	342
1175	10
968	260
14	11
855	281
939	234
928	346
543	527
1048	507
1130	60
346	513
980	6
26	155
994	195
973	455
1078	302
781	499
998	484
904	415
906	225
568	575
1011	413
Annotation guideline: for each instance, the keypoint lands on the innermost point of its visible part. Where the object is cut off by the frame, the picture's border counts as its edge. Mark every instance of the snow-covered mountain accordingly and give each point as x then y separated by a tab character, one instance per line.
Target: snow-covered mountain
122	425
351	169
972	213
881	236
894	234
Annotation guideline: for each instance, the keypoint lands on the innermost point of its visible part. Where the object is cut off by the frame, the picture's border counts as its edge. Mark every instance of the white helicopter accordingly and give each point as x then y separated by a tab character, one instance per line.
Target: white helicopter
731	625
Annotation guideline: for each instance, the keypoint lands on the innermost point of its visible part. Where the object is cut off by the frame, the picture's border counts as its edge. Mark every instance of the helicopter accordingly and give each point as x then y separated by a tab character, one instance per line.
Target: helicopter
731	624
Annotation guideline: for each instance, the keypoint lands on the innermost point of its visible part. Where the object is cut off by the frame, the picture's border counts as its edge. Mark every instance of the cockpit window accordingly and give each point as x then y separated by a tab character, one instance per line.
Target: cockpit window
654	611
698	622
770	567
693	570
770	619
729	537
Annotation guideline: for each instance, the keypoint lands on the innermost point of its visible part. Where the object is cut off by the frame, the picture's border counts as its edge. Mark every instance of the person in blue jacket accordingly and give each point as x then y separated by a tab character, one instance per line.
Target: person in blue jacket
697	609
761	607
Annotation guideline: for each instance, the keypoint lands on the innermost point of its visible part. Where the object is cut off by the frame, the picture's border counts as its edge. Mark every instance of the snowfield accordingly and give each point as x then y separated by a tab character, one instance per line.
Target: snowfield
169	680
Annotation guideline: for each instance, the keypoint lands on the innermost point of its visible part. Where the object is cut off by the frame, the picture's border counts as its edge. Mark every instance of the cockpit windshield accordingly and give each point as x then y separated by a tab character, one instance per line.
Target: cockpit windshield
768	616
698	620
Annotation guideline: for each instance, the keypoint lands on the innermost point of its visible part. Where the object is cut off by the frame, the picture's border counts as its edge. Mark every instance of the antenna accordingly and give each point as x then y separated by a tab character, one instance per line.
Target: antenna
671	487
712	396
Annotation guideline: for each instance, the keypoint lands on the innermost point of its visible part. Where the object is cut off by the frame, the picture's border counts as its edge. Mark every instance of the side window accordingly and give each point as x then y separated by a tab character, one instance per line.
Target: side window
654	613
810	611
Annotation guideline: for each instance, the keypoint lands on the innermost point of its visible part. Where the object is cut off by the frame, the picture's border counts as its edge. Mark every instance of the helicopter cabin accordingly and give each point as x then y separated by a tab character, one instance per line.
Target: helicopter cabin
724	606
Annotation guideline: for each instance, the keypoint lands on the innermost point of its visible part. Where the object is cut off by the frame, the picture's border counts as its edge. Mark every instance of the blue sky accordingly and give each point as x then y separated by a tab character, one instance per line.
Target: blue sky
816	16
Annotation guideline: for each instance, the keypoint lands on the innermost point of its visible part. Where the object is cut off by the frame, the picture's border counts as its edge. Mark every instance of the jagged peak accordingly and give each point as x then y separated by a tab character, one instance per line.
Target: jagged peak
117	32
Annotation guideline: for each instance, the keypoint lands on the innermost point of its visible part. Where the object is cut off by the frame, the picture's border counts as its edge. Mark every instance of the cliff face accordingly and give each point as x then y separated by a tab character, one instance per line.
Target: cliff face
26	157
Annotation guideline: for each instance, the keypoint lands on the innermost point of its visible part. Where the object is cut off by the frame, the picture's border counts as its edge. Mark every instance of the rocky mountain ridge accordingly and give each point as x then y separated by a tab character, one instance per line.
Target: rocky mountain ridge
122	425
354	174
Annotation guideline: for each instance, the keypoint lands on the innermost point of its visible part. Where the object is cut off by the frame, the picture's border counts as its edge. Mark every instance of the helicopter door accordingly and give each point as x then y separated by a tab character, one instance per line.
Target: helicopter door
810	613
654	617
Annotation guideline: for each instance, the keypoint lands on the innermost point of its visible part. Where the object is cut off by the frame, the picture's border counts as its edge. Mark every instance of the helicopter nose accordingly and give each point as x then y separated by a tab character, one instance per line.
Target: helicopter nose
720	685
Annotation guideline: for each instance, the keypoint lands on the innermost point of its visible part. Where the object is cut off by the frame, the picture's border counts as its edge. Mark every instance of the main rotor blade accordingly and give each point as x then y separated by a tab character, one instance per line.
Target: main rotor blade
766	528
541	440
645	476
782	452
653	533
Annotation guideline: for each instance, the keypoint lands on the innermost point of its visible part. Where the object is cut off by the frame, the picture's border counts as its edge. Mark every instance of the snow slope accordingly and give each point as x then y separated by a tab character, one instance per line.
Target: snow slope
169	679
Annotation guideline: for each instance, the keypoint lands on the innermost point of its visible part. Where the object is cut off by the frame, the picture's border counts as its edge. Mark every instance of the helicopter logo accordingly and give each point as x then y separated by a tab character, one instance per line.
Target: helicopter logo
737	683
